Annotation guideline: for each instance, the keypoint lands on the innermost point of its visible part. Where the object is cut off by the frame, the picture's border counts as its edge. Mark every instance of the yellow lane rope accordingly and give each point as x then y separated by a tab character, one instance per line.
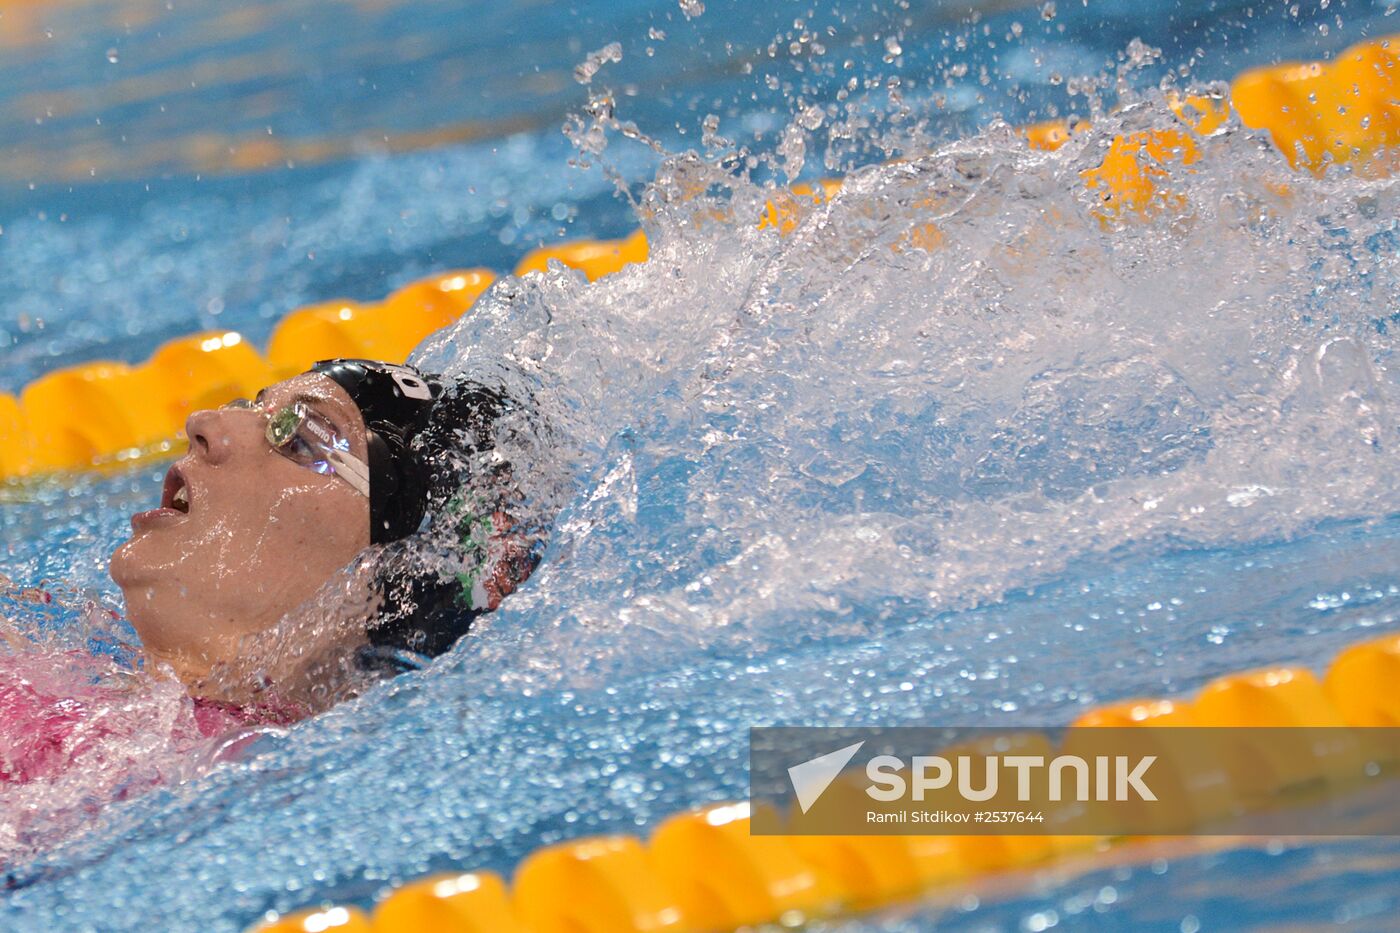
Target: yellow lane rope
703	870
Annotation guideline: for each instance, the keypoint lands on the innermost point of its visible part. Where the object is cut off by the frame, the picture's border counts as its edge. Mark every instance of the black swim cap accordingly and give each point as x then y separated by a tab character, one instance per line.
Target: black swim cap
431	449
395	401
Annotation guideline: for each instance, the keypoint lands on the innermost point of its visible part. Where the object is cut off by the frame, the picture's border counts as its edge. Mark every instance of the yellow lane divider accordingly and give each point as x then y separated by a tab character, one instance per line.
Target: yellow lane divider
105	412
387	330
594	258
704	871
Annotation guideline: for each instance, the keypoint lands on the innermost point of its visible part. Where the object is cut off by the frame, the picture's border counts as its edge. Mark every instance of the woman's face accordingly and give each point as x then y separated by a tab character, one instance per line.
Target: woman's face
259	536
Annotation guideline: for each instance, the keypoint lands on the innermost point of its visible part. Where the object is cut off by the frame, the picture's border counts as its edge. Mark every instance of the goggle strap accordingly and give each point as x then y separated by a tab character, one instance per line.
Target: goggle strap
351	468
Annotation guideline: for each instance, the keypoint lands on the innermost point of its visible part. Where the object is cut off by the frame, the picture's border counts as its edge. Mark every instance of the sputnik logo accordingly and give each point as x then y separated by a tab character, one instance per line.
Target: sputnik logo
811	778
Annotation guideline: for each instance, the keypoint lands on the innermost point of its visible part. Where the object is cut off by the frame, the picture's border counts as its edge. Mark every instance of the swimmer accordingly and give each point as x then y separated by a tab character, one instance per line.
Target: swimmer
345	525
318	484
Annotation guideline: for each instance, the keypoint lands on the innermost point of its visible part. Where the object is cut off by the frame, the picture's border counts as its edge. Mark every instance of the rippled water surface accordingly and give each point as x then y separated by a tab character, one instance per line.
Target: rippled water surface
960	448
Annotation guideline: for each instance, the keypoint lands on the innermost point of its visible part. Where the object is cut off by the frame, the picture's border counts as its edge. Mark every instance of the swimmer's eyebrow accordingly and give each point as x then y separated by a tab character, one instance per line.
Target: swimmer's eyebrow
323	404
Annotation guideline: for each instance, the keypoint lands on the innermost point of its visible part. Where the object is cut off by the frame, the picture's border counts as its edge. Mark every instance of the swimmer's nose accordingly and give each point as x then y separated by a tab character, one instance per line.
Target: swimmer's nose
210	436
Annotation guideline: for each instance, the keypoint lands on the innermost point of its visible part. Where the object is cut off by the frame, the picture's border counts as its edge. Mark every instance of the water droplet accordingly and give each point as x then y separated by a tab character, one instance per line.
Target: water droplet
586	69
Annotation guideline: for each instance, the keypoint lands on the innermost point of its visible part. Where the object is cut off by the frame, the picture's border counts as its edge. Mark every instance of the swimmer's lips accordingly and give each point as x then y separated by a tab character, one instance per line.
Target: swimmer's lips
175	500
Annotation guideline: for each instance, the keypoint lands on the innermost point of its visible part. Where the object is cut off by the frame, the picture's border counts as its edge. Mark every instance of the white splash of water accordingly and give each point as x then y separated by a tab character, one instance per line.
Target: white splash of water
951	381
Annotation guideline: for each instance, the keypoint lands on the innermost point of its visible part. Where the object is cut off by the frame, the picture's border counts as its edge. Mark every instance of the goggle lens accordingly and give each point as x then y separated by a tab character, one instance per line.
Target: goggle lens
304	437
283	425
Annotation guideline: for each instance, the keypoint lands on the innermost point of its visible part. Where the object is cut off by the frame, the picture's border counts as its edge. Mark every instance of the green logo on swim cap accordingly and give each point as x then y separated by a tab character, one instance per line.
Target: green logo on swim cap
472	528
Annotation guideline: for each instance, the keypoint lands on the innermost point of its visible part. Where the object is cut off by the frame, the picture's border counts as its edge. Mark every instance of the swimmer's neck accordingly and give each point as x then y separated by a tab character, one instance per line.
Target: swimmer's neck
183	670
193	674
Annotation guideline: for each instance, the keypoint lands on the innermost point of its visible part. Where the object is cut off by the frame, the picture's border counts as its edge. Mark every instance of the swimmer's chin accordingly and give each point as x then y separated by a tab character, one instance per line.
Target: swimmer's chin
117	565
126	567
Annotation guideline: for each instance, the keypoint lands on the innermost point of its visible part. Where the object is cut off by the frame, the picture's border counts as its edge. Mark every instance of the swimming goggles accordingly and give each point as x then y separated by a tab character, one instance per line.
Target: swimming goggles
307	439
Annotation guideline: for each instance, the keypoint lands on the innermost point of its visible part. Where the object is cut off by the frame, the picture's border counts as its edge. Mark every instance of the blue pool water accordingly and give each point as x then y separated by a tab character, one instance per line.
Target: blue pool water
833	478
